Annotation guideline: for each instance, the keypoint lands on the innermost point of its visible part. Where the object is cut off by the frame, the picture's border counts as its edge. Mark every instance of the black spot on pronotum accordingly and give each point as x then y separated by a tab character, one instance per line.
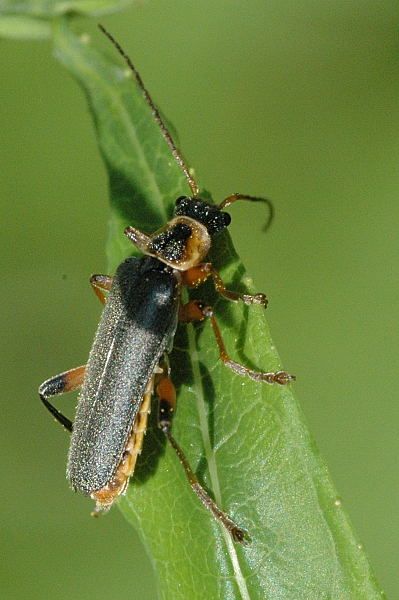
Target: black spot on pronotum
171	244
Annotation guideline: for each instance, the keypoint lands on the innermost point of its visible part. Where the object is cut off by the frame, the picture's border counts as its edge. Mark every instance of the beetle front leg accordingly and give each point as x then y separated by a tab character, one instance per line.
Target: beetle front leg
166	393
101	284
195	310
199	274
60	384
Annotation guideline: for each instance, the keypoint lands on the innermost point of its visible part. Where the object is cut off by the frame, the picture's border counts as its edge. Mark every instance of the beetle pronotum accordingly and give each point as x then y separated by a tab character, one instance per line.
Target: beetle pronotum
128	359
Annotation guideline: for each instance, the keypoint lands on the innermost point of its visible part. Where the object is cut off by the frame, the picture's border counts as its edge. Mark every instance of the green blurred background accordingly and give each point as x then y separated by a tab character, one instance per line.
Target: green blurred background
296	101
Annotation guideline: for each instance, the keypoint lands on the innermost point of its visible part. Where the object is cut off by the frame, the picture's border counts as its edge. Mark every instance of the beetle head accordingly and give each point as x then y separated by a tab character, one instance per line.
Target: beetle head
209	215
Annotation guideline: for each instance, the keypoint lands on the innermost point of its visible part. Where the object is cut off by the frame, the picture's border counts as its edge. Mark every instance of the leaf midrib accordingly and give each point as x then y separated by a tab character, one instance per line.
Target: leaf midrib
211	459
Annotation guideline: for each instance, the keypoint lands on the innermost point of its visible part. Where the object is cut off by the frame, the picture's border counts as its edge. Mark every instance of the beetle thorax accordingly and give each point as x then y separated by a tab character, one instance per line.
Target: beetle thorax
183	243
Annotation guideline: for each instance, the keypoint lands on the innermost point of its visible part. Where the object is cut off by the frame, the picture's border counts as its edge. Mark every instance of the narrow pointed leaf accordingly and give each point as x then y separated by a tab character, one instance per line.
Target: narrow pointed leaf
247	442
24	28
54	8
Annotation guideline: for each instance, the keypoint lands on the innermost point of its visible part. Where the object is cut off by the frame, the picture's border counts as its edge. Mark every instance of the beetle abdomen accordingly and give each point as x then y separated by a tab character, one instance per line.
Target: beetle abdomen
137	323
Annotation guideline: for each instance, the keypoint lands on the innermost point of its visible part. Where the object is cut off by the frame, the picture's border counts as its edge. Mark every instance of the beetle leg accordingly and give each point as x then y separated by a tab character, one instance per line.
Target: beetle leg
167	402
101	284
191	312
198	311
199	274
60	384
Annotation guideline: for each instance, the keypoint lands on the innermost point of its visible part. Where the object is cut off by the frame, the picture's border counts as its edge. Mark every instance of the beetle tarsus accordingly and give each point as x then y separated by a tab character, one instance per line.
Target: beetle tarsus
240	536
259	299
282	377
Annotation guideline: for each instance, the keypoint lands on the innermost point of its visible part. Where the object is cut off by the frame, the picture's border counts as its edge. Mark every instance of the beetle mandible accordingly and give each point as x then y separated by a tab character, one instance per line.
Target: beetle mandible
128	359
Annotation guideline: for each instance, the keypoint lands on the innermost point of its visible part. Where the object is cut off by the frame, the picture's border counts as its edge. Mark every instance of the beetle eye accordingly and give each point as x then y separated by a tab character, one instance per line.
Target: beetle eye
227	219
180	200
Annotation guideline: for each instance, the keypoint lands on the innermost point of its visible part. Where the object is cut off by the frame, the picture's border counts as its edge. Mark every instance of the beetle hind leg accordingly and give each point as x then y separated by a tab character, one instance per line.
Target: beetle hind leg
68	381
165	391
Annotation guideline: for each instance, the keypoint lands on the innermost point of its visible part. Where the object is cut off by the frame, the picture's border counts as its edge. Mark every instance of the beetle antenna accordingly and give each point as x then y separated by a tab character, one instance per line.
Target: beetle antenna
235	197
155	113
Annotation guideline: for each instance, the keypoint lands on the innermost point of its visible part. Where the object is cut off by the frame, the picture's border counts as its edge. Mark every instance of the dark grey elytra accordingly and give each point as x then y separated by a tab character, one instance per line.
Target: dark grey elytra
136	327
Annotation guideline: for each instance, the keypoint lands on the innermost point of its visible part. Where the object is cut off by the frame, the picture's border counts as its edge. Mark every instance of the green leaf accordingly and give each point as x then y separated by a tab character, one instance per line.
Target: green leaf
246	441
24	28
54	8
